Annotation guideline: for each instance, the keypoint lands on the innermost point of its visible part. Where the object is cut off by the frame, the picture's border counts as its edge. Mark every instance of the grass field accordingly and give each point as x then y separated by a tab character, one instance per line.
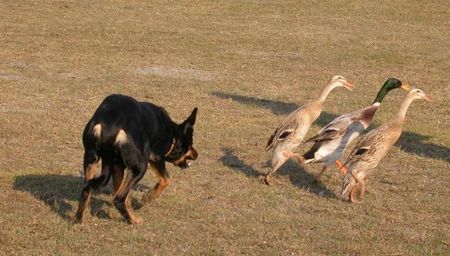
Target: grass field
246	65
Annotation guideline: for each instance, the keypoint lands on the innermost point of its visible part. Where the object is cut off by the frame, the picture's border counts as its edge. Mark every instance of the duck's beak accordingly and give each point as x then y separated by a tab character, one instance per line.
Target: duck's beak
348	85
405	87
428	98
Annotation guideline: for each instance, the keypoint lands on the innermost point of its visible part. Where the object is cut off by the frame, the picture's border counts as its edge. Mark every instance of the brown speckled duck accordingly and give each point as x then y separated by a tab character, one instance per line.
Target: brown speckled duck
292	129
373	147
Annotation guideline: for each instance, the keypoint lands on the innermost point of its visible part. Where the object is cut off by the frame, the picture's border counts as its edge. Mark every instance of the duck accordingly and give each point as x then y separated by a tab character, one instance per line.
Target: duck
373	147
331	141
292	129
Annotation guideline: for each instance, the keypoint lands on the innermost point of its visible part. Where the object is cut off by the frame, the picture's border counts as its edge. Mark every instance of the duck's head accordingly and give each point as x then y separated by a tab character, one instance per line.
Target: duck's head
418	94
394	83
340	81
390	84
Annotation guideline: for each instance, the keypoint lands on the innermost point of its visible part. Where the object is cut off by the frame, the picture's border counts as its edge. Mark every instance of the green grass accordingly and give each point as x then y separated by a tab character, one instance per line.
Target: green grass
245	64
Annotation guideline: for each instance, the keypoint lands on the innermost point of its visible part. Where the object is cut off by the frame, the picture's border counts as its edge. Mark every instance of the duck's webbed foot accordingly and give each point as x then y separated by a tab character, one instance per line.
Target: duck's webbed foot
358	191
269	180
268	177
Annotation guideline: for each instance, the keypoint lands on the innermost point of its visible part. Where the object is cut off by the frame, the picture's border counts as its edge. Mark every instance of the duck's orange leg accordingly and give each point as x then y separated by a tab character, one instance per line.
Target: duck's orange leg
342	168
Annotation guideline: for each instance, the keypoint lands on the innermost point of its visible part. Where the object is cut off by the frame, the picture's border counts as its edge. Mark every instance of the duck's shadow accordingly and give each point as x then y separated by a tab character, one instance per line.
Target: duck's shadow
416	143
276	107
411	142
60	192
298	176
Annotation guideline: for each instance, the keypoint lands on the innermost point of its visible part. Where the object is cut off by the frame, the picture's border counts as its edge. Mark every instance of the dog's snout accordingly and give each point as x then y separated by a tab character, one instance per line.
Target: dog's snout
193	154
183	162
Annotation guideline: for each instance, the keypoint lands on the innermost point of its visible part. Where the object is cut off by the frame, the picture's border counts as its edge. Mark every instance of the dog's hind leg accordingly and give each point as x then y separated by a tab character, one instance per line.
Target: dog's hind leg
90	184
134	175
91	143
90	164
164	181
117	175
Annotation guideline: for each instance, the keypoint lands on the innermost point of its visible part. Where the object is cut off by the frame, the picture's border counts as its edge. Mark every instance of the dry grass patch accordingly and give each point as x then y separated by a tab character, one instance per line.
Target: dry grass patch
245	64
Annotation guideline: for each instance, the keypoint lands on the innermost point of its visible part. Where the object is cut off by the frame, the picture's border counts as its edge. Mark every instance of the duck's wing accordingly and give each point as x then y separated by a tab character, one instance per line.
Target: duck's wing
364	145
338	127
287	128
335	129
283	132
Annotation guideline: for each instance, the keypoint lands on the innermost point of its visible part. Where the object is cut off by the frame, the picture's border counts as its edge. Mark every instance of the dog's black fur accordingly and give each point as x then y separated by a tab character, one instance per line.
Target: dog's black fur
125	133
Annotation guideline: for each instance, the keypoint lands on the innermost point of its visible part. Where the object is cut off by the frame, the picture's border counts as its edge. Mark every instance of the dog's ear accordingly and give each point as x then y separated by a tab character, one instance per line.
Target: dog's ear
190	121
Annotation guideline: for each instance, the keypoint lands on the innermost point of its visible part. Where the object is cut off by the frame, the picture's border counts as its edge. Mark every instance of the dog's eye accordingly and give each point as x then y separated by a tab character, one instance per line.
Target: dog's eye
178	148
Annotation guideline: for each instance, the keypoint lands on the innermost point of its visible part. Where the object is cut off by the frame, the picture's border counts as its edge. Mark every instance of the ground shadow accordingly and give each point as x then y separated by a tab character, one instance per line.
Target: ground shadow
60	192
410	142
422	148
298	176
54	190
276	107
230	159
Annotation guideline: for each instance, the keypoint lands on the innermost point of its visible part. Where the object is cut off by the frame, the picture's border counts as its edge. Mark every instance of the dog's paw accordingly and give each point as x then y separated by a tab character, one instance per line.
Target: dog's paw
135	220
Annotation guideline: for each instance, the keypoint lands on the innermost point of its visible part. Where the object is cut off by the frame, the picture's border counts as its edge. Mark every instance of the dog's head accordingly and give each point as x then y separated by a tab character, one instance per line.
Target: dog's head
183	151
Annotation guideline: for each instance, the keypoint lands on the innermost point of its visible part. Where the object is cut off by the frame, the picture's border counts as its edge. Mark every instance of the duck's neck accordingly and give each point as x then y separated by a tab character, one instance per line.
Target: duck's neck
325	93
403	108
381	94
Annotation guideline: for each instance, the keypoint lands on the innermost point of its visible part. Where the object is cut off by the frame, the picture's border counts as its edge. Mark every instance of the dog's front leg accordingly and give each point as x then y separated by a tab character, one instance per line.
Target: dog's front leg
164	181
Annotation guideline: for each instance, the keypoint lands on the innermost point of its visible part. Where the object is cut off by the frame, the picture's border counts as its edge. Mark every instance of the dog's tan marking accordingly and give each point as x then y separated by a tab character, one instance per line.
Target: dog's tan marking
190	155
124	208
121	138
160	186
90	171
97	130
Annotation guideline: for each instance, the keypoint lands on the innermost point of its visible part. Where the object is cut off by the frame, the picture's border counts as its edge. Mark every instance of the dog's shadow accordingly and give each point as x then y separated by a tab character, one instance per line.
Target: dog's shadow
60	192
297	175
56	191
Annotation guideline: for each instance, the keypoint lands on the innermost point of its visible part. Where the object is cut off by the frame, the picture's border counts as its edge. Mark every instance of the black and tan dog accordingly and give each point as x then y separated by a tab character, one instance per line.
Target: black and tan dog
127	134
